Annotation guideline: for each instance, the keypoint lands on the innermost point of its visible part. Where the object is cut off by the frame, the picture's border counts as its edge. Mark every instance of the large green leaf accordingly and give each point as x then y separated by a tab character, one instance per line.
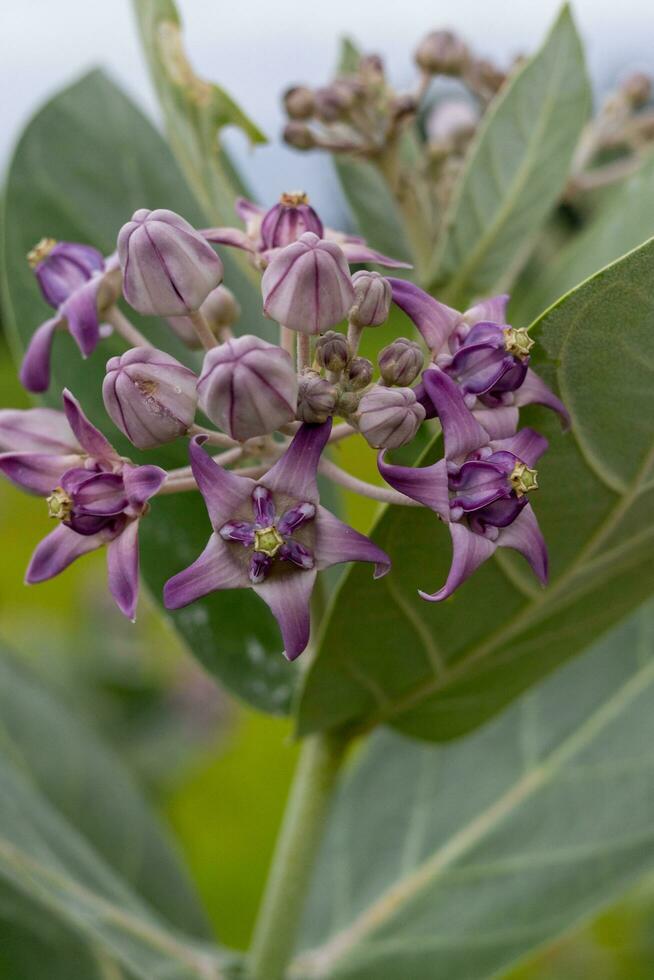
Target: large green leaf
517	167
83	165
624	220
452	862
438	670
77	839
195	111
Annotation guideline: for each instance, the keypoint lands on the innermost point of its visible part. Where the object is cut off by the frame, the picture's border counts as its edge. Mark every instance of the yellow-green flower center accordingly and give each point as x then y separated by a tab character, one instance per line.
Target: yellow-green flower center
523	479
517	341
268	541
40	251
291	199
60	505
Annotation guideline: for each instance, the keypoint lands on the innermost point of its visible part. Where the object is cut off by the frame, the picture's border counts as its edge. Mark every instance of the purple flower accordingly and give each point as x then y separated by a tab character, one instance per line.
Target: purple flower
97	496
284	223
272	536
487	358
79	284
480	488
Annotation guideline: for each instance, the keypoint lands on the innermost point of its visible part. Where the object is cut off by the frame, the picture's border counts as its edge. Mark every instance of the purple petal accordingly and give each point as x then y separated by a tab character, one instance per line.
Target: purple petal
295	518
223	492
142	482
229	236
297	553
295	472
481	482
287	595
499	422
35	369
478	367
81	312
469	551
493	309
263	506
534	391
434	320
123	569
102	494
528	445
358	252
90	438
525	536
248	210
214	570
241	531
37	430
462	434
426	484
37	473
259	567
336	542
56	552
67	267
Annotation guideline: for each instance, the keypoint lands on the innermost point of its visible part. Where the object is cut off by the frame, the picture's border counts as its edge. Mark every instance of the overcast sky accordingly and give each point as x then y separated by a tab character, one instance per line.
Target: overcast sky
255	48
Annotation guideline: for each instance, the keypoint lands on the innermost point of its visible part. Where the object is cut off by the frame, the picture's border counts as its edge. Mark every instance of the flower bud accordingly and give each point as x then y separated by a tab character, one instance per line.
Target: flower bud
284	223
334	101
389	417
360	373
637	89
404	106
316	398
248	387
441	53
307	285
332	351
299	102
168	267
220	310
62	267
371	67
372	299
452	120
150	396
299	136
401	362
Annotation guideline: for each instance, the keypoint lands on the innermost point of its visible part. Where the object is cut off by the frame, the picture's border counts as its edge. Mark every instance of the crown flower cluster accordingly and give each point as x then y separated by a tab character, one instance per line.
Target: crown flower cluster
261	417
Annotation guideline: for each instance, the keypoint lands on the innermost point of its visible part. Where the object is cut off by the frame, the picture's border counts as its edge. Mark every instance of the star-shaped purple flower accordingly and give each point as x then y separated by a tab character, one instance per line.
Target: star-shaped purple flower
271	535
97	496
480	488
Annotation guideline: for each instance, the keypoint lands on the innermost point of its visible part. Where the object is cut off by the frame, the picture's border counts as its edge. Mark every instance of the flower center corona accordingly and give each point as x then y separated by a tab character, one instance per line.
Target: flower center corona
291	199
517	341
523	479
268	541
60	505
40	251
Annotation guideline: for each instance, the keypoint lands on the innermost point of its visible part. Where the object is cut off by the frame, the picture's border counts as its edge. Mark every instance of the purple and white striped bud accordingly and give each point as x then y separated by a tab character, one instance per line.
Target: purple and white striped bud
372	299
307	285
442	53
248	387
401	362
62	267
169	269
332	351
299	136
389	417
360	373
149	396
284	223
316	399
299	102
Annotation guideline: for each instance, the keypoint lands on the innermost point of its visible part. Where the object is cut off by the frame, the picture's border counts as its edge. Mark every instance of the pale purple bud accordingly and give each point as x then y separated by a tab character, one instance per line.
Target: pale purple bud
307	285
401	362
299	102
316	400
372	299
332	351
248	387
150	396
360	373
286	221
169	269
389	417
299	136
442	53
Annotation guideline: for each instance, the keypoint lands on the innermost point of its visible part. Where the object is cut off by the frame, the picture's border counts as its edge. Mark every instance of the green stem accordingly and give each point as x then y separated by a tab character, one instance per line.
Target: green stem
297	847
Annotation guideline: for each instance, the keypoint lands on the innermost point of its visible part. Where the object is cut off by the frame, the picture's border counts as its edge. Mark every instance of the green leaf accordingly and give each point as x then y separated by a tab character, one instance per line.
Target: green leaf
455	861
624	220
82	166
77	839
517	167
195	111
437	670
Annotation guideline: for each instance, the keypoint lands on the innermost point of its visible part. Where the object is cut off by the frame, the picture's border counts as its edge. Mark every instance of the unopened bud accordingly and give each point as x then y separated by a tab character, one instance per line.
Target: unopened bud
168	267
248	387
637	89
372	299
299	102
149	396
401	362
299	136
332	351
441	53
316	399
288	220
371	66
389	417
334	101
360	373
